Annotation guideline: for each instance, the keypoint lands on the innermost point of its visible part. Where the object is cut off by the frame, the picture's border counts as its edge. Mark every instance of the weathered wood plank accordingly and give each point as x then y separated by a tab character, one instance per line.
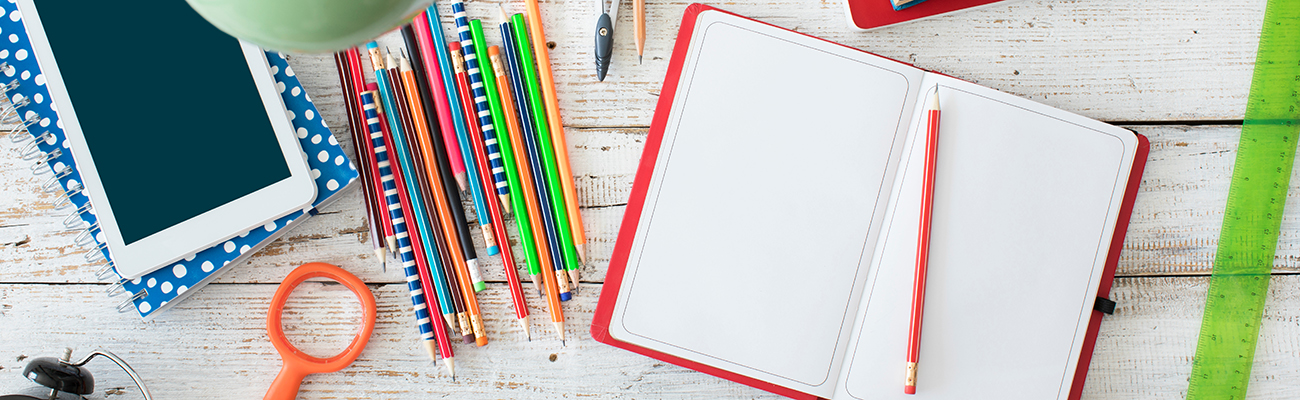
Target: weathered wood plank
1118	61
216	342
1174	229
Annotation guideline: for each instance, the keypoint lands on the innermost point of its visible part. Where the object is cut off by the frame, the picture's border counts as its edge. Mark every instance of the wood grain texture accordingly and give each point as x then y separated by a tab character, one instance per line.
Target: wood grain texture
215	343
1161	61
1116	61
1174	230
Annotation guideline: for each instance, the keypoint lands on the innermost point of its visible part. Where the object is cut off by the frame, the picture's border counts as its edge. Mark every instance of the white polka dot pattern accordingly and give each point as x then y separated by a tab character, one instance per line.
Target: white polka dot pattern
166	284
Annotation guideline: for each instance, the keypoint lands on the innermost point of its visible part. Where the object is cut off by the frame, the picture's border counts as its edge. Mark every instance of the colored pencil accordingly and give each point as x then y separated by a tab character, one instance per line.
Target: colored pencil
430	168
548	188
923	244
462	127
561	149
374	218
429	331
437	146
519	120
397	143
353	59
491	74
477	93
446	203
424	55
447	267
531	98
638	23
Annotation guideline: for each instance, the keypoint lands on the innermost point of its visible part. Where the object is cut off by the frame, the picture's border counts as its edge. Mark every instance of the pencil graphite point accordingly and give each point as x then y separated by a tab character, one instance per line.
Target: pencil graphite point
381	254
537	283
505	204
523	323
639	60
460	180
432	349
392	243
451	367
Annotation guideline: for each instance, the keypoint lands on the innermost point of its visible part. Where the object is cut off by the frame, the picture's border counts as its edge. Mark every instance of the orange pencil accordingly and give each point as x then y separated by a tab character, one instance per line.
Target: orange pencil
557	131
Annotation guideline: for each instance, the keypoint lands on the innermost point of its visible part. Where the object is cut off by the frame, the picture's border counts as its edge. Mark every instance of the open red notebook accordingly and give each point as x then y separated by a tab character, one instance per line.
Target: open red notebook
770	237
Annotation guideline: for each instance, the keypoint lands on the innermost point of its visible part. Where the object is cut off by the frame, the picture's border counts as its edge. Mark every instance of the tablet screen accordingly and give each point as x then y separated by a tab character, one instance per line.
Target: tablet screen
167	106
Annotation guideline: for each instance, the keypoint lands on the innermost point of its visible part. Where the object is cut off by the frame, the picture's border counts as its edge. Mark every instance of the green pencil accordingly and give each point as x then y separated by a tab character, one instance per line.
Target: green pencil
507	152
544	137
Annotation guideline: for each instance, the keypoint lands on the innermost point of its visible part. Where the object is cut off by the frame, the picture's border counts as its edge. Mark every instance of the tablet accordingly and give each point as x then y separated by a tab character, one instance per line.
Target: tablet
178	129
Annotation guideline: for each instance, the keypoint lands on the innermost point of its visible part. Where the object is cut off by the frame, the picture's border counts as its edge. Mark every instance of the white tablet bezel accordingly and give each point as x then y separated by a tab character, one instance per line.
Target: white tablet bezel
207	229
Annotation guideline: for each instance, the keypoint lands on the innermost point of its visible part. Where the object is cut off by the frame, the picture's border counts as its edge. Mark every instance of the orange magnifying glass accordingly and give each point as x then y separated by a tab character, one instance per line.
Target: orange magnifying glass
297	364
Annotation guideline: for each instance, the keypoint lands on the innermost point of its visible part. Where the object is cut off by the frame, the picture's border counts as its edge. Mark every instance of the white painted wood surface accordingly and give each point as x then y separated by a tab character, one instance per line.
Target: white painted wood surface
1171	64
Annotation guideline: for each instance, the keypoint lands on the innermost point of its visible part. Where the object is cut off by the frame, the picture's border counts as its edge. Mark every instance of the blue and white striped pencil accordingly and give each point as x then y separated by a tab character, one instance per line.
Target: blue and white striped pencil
462	132
481	104
423	317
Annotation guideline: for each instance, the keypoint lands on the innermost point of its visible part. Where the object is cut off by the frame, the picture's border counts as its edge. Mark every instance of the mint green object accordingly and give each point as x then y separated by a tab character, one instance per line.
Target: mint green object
307	25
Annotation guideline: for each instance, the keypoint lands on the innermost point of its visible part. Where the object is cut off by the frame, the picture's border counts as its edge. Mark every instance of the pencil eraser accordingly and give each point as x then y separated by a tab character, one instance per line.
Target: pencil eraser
480	286
372	45
566	296
371	87
480	342
468	339
455	46
494	250
909	389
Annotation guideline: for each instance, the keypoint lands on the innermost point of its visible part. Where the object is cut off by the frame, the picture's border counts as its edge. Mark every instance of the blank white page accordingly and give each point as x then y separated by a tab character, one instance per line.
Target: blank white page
760	217
1025	202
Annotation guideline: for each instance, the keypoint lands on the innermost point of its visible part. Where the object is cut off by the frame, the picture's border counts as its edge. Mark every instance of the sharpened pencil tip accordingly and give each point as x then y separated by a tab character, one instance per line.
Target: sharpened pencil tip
639	60
934	100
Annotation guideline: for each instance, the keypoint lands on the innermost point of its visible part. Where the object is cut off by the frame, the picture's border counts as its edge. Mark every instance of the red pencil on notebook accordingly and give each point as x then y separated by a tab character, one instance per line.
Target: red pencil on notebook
923	242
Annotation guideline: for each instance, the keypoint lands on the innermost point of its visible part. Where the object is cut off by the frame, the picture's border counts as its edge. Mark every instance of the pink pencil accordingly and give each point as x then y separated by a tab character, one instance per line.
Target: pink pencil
440	101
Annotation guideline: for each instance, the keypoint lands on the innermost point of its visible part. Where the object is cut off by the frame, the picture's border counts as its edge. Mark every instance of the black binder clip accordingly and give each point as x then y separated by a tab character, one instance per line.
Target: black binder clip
61	375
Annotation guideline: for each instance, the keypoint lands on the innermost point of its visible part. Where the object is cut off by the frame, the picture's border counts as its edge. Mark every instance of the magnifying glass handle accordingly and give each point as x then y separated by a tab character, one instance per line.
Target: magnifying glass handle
285	386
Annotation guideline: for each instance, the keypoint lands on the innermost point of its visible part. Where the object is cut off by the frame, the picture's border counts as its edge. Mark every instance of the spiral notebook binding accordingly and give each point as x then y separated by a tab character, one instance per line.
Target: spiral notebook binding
105	272
129	303
86	237
41	166
66	200
73	220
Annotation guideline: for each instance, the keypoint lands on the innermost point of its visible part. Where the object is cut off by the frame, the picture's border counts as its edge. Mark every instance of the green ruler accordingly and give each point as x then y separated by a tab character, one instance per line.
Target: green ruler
1234	306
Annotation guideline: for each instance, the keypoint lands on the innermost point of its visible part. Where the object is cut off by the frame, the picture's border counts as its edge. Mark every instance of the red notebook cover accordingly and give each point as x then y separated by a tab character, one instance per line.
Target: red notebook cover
871	14
636	202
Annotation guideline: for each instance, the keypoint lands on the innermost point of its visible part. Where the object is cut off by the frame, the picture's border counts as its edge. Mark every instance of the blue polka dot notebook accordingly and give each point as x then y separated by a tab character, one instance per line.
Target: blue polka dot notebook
43	142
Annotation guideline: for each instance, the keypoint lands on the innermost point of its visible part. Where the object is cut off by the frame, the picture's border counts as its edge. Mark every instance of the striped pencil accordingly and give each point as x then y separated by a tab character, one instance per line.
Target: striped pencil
421	187
436	152
520	121
545	179
479	94
406	168
429	331
462	128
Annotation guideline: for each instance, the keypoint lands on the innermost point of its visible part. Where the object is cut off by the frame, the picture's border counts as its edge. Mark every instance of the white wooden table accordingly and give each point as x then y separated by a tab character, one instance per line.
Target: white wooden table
1174	70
